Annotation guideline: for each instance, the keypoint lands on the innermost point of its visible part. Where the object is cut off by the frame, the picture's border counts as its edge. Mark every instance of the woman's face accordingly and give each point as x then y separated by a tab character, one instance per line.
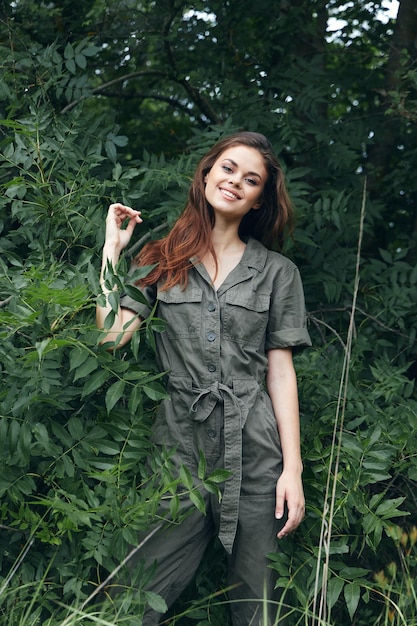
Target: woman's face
235	183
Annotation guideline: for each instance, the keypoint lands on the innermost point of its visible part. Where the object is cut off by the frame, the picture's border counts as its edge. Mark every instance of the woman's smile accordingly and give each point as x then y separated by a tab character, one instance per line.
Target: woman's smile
229	194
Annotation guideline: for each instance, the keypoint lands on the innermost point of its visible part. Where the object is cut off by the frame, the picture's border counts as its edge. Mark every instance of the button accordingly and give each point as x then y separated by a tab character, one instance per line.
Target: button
211	336
211	307
211	367
211	432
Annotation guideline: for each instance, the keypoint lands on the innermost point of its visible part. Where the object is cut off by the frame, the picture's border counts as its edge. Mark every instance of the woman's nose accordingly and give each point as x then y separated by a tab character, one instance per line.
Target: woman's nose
234	179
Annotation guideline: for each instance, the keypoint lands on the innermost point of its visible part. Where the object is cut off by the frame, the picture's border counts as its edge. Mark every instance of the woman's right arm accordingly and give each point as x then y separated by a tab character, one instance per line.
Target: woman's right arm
116	240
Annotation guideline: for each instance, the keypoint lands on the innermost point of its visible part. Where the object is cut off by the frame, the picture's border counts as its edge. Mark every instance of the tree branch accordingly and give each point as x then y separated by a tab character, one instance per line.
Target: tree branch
115	81
151	96
199	100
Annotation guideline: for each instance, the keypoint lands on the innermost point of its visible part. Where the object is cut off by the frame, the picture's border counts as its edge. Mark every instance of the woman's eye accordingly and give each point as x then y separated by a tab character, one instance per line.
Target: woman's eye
251	181
227	168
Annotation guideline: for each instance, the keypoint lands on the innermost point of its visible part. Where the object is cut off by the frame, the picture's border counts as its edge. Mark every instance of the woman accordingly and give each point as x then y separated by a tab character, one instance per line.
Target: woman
233	310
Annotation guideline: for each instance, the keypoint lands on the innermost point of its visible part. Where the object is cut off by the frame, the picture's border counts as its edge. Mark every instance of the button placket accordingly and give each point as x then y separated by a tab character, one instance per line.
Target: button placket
213	336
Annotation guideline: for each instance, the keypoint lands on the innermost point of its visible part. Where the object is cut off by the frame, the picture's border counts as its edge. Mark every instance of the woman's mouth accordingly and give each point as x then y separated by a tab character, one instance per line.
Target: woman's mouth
229	194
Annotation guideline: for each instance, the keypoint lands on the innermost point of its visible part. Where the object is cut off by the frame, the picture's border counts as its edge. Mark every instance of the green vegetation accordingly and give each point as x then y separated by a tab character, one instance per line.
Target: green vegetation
116	100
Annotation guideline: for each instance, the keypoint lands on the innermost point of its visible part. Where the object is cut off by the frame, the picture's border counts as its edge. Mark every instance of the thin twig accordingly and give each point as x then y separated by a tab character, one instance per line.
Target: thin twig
15	530
17	564
317	321
348	307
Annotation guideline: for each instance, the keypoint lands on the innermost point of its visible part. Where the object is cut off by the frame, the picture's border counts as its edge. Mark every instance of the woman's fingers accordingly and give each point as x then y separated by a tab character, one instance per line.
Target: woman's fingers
289	495
118	232
122	211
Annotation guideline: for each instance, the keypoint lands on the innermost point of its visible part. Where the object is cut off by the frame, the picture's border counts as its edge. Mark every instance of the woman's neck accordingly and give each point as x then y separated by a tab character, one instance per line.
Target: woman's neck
225	239
228	250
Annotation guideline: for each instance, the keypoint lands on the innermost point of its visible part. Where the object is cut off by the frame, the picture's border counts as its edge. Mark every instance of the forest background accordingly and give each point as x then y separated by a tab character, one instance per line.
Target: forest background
117	99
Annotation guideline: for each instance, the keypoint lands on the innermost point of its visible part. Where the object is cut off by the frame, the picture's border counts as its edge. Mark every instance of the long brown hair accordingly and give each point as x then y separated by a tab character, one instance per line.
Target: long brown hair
191	234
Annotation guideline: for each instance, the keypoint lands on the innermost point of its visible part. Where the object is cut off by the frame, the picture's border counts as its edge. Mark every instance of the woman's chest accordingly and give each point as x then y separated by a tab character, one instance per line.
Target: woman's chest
207	316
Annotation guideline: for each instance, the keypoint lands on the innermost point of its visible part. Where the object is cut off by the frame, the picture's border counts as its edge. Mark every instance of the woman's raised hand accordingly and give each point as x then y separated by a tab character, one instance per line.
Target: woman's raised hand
116	217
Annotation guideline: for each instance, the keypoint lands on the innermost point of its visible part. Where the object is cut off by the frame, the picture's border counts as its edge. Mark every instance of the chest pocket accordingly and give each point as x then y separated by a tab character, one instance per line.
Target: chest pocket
181	311
246	317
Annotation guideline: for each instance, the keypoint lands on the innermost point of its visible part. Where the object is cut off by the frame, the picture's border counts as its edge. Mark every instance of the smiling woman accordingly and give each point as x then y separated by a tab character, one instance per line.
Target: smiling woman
233	311
235	183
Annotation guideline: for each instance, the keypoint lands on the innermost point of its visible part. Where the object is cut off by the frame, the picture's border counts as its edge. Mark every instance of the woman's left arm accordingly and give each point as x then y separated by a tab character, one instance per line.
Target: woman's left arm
282	388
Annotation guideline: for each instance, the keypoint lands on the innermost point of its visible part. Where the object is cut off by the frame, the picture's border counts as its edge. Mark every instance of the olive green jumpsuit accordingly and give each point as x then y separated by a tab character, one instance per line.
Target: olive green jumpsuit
215	349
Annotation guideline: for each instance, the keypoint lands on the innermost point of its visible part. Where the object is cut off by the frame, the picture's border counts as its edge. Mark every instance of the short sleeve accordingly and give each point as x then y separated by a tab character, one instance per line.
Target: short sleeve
287	325
143	311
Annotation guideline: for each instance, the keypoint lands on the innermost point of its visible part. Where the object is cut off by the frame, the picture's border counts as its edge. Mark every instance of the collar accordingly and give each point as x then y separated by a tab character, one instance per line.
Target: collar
255	255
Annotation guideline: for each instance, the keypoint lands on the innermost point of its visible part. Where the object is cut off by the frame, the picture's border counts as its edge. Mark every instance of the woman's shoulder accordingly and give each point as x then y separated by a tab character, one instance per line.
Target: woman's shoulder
271	259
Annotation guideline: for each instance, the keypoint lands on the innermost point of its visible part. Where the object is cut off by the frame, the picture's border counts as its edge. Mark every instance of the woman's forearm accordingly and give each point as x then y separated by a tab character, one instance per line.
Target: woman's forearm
116	240
282	388
118	333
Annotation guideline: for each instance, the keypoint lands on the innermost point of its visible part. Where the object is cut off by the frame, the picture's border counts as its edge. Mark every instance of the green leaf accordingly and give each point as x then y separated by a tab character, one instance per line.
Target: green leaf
86	368
219	476
76	427
135	344
202	466
96	381
212	488
111	151
93	279
106	447
388	508
141	272
155	601
198	501
69	51
71	67
353	572
81	61
114	393
352	593
174	506
185	477
155	391
135	294
135	399
109	320
41	434
386	256
91	51
77	357
334	589
113	299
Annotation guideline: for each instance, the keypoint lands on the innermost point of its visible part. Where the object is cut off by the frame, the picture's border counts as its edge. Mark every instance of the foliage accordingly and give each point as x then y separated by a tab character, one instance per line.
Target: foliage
105	100
75	417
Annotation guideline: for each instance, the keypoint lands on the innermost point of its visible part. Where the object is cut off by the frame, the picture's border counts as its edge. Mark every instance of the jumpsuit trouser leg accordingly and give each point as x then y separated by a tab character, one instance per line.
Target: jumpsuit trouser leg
179	550
253	595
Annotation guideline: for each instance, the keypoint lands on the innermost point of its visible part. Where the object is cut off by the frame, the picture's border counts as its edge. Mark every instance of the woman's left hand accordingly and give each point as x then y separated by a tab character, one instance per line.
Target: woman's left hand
289	491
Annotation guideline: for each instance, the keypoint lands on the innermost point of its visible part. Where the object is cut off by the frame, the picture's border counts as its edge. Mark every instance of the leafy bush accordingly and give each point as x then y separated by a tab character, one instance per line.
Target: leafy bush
76	487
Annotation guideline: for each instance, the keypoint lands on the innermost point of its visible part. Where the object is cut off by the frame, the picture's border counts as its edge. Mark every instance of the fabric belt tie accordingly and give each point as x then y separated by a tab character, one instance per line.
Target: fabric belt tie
235	415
